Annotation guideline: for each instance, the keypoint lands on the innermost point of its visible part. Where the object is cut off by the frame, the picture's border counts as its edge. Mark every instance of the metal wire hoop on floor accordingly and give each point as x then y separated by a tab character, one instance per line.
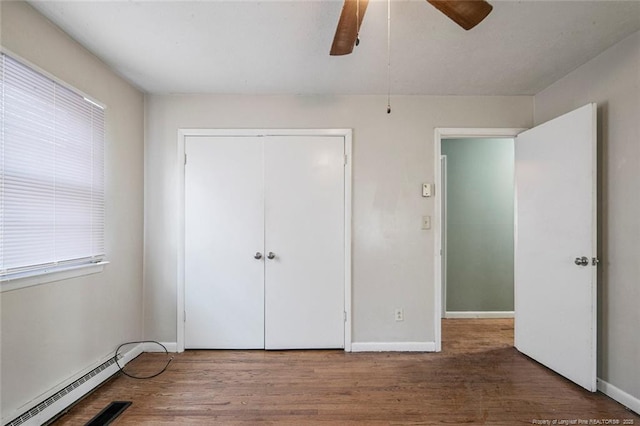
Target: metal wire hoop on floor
121	368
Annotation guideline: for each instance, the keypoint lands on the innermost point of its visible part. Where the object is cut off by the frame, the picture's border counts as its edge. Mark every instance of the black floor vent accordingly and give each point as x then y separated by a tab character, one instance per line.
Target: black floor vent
109	413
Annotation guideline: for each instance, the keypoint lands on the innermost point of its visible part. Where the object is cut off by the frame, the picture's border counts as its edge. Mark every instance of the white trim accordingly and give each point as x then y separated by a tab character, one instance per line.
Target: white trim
443	227
475	314
183	133
347	239
262	132
76	394
51	275
624	398
437	238
393	347
439	134
153	347
473	132
181	158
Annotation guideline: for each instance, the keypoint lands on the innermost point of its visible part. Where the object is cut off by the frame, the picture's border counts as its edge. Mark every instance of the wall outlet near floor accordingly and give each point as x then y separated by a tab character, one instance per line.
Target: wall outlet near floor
399	314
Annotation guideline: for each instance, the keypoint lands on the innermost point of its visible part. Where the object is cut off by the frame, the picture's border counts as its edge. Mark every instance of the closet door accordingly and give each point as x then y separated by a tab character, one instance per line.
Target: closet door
224	231
304	220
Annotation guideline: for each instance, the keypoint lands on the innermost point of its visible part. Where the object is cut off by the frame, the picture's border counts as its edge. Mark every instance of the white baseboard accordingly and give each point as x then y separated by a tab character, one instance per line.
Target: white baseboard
31	414
153	347
619	395
393	347
479	314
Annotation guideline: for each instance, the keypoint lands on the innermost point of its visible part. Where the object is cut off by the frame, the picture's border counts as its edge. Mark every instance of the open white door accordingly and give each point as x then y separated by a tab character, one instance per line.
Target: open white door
555	266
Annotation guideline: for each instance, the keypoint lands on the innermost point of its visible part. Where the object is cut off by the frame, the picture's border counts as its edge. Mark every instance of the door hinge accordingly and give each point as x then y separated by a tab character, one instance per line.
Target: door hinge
184	317
345	316
185	159
346	159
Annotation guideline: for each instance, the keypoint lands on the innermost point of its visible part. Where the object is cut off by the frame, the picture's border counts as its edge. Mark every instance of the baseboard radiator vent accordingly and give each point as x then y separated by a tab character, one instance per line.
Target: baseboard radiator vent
60	394
109	413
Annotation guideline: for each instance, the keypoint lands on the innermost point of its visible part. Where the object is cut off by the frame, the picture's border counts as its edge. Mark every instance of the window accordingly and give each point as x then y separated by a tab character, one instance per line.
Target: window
51	175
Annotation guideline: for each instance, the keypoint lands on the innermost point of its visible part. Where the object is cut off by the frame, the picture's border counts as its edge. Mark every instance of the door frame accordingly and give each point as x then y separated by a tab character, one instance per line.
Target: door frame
180	164
439	134
443	232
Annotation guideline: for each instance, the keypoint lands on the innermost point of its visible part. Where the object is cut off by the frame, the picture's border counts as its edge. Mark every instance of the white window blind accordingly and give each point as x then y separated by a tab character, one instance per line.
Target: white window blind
51	174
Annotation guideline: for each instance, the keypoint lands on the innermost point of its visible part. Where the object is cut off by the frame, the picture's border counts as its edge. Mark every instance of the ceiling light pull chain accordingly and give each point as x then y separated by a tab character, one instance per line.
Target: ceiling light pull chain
388	56
357	22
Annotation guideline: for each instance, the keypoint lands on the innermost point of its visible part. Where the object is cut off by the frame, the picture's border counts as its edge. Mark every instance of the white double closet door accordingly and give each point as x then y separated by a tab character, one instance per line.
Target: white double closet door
264	242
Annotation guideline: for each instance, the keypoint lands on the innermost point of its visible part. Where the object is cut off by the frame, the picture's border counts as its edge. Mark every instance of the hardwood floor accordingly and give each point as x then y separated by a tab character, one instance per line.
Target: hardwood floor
478	378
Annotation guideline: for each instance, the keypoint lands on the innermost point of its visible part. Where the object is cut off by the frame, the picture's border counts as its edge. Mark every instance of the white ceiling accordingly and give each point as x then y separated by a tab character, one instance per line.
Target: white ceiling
282	47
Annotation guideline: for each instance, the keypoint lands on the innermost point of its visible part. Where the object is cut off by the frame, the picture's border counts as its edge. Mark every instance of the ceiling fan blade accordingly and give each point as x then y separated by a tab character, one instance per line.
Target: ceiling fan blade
348	25
466	13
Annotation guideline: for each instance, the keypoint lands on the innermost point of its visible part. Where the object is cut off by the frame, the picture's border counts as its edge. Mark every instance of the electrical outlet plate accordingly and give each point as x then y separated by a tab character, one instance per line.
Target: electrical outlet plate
399	314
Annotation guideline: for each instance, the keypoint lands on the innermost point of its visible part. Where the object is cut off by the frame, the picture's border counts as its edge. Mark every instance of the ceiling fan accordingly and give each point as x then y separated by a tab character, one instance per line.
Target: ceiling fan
466	13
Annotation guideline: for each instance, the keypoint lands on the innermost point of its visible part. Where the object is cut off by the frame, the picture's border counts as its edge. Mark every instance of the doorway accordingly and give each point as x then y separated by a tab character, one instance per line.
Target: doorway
477	227
441	165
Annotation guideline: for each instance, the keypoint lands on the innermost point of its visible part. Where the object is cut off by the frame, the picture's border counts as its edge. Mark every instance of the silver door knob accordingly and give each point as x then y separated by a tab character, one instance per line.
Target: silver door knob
271	255
258	255
581	261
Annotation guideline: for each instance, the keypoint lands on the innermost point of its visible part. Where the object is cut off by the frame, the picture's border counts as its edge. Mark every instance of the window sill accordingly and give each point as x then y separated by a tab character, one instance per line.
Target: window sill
49	276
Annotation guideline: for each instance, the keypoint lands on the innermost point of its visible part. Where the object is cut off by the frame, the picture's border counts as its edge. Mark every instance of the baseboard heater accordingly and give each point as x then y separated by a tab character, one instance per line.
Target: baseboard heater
44	405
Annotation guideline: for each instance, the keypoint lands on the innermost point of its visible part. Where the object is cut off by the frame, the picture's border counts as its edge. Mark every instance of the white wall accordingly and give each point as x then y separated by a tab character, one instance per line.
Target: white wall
54	331
613	81
393	258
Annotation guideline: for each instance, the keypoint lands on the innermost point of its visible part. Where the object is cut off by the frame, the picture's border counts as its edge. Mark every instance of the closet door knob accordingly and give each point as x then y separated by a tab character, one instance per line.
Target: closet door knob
271	255
258	255
581	261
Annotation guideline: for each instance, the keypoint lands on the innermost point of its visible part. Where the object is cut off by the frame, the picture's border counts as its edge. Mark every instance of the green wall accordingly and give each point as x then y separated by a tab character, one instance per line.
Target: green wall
479	224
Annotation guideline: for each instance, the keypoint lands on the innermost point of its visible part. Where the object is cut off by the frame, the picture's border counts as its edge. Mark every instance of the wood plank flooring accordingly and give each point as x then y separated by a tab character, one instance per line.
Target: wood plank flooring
478	378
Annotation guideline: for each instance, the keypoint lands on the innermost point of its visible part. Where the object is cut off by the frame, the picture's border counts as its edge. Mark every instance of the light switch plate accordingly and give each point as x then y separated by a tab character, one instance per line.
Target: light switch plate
426	222
426	190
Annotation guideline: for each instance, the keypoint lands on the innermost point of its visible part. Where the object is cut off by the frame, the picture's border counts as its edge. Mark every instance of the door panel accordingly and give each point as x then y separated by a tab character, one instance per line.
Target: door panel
555	299
224	228
304	219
